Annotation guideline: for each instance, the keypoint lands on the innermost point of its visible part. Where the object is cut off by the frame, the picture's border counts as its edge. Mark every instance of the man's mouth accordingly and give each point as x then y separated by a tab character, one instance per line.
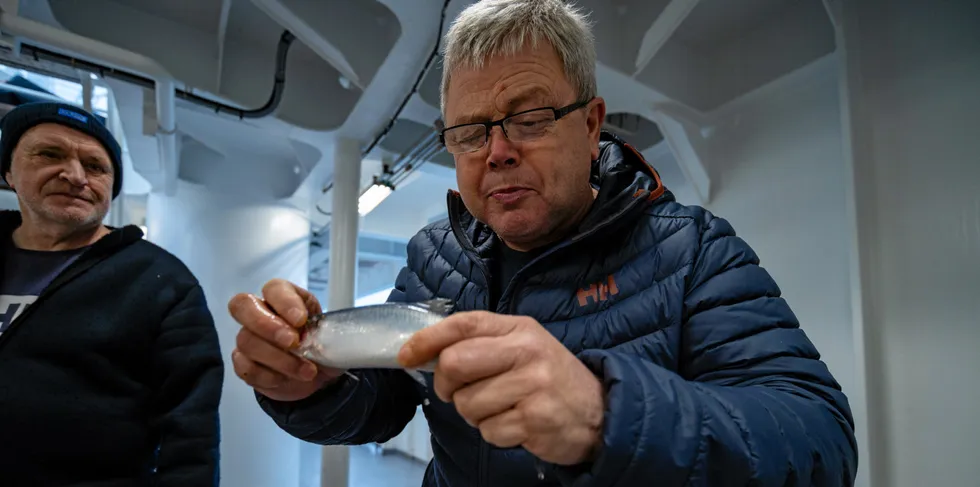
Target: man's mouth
510	194
72	196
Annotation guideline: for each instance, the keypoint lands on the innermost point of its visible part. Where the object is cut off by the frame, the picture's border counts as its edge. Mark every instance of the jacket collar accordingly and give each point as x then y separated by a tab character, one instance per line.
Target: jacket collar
620	173
117	237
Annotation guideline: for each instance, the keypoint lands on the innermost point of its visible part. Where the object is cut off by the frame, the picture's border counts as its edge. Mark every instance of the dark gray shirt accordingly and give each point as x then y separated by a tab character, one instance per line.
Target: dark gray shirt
26	273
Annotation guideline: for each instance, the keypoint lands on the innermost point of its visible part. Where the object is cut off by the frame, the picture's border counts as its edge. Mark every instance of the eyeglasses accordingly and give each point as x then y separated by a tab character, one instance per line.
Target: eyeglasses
519	127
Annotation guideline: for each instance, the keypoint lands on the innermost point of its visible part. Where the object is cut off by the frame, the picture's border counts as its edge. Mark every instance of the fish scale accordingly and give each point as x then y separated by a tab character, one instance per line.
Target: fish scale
368	337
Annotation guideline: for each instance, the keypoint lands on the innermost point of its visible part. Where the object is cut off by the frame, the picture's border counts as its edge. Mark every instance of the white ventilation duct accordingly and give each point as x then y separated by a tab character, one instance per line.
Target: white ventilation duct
55	39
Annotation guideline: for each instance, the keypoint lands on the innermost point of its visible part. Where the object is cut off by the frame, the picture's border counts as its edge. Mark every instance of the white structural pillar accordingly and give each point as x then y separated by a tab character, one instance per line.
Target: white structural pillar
235	245
343	265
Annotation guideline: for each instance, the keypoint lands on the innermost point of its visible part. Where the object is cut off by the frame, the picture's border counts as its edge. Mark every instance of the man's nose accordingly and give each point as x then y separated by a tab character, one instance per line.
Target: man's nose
74	173
502	151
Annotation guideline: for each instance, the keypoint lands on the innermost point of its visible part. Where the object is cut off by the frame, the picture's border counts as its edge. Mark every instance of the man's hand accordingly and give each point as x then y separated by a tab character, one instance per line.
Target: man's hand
511	379
261	357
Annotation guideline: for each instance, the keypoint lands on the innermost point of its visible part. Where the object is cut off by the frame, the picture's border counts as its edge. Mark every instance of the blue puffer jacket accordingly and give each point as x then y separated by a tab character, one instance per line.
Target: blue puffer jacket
709	379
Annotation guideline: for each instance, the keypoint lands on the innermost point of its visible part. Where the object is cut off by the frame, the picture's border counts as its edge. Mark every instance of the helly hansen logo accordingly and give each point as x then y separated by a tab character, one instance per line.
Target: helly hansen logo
598	292
11	307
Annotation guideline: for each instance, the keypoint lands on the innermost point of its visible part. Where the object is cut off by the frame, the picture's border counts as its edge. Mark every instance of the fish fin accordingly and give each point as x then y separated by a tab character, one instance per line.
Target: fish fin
415	374
314	319
438	305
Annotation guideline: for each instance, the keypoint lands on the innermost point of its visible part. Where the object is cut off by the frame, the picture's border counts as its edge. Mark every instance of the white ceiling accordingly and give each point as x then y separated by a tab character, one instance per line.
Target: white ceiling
721	50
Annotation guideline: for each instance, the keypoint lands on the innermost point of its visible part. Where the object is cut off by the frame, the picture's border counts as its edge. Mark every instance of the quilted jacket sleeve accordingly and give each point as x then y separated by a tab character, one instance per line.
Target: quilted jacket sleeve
352	412
753	405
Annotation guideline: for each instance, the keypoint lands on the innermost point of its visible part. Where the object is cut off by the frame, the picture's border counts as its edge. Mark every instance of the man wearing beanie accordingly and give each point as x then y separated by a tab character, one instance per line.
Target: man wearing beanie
110	369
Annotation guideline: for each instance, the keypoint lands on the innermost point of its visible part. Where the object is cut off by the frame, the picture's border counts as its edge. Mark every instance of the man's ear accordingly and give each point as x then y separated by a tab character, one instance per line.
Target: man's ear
595	117
7	178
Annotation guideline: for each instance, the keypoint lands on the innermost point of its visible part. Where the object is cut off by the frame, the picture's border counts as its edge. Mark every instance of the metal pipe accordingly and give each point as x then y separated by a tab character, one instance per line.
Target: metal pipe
88	90
279	81
415	86
413	153
399	178
37	94
54	38
92	49
167	135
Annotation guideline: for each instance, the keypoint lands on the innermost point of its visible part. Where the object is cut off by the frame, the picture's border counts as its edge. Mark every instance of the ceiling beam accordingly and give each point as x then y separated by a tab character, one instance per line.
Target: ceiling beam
222	36
660	31
833	11
689	148
288	19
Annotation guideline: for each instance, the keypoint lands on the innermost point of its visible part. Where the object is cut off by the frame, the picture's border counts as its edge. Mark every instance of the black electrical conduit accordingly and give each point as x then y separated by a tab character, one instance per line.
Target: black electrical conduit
285	41
415	87
384	133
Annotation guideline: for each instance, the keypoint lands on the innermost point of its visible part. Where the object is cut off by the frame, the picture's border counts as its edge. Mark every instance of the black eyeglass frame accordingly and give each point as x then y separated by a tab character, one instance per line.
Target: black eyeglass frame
559	114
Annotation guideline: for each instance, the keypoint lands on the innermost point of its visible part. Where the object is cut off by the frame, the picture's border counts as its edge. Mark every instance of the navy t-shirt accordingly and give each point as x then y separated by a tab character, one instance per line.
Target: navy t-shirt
25	275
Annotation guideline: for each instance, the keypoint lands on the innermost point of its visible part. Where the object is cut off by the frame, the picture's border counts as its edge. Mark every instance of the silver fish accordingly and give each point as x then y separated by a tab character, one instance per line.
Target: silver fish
368	336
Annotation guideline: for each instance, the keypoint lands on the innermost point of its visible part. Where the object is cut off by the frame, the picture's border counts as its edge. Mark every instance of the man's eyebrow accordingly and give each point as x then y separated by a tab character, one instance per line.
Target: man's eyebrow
36	147
512	106
533	94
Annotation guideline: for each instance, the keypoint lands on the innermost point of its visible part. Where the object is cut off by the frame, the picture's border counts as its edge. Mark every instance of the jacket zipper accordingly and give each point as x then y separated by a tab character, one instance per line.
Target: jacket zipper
482	459
510	288
515	281
84	262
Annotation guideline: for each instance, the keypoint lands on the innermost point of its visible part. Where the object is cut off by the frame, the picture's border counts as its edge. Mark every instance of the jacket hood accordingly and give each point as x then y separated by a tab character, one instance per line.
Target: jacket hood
620	174
118	237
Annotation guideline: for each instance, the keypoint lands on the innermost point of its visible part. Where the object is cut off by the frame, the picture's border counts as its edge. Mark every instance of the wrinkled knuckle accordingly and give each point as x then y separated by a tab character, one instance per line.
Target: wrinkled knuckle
539	413
451	362
489	433
542	375
244	370
463	404
295	364
439	384
528	343
244	341
527	322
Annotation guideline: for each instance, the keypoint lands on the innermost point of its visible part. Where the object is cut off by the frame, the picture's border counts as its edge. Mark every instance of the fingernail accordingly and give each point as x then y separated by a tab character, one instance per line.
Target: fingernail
285	338
295	316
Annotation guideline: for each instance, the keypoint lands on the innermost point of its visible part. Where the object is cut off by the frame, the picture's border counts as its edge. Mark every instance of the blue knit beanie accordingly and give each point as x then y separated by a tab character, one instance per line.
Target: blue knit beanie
25	116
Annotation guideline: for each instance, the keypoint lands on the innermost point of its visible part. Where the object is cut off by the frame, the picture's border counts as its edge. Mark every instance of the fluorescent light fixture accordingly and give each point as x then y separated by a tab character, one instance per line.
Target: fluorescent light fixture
373	197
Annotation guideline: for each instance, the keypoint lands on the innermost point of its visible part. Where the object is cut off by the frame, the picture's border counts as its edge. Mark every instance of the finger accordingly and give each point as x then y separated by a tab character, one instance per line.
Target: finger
426	344
505	430
273	357
490	397
289	301
254	374
253	314
472	360
312	305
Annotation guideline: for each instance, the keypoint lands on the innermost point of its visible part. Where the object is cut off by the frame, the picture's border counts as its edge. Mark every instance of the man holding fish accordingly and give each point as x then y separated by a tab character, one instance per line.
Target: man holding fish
602	333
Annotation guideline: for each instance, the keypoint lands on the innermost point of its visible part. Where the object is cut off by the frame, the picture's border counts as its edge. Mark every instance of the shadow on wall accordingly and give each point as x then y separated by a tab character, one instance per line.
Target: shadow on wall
266	172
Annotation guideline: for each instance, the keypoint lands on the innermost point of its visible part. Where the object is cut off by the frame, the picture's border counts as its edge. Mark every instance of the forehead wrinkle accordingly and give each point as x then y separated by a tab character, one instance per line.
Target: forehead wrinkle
83	146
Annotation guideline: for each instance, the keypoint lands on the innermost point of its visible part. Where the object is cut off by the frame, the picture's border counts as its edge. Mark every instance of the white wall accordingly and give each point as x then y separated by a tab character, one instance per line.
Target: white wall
777	165
236	246
778	173
8	200
913	83
869	219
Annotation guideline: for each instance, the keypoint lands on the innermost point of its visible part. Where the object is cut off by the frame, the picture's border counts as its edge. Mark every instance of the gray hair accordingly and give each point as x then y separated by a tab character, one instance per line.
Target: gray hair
501	27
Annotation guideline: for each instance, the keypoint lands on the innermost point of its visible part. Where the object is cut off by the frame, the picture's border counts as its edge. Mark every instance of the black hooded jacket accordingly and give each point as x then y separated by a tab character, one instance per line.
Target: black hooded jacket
113	376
